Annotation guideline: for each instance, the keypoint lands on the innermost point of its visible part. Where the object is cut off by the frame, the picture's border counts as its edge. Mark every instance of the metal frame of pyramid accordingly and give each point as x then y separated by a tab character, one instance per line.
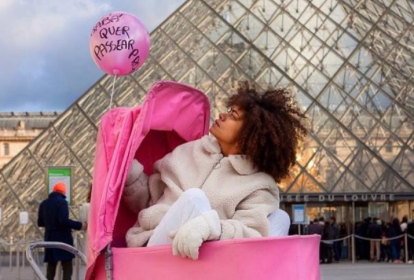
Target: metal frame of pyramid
349	63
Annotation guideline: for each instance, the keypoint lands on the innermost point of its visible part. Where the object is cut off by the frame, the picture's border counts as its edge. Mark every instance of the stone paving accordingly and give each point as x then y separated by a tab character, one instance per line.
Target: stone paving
342	271
367	271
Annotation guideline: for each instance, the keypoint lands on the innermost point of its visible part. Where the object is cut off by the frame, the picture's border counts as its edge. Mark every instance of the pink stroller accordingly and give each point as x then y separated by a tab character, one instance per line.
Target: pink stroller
172	114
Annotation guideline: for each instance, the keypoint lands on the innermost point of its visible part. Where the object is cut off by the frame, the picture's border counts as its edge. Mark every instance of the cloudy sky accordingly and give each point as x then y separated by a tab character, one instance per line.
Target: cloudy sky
44	57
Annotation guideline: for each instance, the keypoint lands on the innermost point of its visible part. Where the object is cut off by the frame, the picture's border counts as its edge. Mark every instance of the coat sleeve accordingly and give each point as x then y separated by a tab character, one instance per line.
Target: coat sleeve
136	193
250	217
40	220
63	218
140	190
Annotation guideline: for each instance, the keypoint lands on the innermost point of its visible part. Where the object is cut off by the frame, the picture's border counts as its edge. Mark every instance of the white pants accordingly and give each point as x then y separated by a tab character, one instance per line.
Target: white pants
191	204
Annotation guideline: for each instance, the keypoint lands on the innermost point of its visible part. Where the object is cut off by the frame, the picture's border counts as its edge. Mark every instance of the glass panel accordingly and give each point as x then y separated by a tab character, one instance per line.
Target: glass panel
10	207
252	63
176	27
264	10
95	103
195	11
233	45
79	134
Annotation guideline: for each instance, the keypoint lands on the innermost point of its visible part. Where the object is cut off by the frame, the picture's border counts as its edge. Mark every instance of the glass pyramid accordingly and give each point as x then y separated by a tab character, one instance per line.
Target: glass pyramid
349	63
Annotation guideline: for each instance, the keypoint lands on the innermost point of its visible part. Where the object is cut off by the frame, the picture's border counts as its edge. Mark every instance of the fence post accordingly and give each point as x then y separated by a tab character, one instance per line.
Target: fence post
10	254
37	261
406	247
353	248
1	262
18	261
77	268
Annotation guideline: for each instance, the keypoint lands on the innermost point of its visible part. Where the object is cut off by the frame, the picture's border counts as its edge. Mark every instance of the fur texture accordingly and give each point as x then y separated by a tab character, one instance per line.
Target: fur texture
242	197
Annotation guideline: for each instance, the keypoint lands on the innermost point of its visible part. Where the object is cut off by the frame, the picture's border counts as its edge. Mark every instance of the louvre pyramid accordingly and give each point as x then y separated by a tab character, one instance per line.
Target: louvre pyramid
349	63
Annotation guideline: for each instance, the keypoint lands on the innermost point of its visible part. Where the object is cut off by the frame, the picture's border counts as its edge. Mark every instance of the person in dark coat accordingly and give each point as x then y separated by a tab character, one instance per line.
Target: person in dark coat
410	243
374	232
316	228
327	246
394	231
335	235
54	217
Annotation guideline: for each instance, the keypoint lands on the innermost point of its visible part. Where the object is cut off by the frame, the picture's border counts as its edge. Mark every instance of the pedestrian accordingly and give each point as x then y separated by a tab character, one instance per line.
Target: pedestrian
316	228
335	235
84	217
54	217
342	234
327	246
395	231
374	232
410	243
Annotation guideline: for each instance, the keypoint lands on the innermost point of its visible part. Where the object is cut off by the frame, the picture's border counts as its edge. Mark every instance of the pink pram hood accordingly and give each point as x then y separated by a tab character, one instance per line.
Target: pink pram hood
171	115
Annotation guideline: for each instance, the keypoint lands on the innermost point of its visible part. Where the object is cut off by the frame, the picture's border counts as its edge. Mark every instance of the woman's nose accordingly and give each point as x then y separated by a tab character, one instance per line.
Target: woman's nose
222	116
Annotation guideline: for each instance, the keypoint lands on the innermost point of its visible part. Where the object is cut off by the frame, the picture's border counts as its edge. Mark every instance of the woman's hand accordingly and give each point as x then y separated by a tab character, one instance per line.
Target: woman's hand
134	173
136	192
189	237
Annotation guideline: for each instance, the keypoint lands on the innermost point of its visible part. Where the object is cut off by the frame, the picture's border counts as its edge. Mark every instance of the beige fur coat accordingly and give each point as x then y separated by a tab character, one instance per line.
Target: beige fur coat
242	197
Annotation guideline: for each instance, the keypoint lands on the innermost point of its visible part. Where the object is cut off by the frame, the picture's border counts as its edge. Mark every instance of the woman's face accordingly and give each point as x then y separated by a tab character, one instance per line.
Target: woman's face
227	127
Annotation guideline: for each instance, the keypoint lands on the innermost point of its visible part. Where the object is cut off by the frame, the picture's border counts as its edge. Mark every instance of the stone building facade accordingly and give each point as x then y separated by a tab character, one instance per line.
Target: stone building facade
18	129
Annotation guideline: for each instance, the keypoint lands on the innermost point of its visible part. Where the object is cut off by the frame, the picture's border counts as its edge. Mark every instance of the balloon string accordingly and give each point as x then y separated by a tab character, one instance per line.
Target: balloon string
113	91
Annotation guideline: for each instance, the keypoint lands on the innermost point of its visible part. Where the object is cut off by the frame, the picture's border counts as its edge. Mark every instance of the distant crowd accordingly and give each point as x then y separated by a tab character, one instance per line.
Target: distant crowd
388	244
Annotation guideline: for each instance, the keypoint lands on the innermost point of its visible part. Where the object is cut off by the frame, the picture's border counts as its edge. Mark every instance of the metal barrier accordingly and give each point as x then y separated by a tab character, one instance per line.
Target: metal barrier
354	236
56	245
18	249
17	254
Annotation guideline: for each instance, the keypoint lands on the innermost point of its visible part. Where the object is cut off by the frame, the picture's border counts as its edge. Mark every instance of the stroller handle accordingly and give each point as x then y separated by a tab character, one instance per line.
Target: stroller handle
50	245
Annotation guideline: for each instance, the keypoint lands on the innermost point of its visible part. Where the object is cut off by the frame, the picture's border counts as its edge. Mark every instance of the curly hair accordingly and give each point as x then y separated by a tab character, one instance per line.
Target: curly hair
273	127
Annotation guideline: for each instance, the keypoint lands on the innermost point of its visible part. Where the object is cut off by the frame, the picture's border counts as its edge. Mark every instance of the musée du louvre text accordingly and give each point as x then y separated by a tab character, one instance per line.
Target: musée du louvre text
336	197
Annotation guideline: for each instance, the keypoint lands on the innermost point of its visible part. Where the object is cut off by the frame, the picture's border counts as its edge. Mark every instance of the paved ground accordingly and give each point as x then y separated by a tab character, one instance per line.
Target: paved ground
367	271
342	271
26	273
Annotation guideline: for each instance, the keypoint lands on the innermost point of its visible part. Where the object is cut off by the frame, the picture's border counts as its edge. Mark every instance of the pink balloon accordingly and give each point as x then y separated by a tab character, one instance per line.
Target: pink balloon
119	43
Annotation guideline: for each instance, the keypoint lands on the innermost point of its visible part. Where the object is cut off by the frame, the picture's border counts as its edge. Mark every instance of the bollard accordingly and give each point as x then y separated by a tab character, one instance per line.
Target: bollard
406	247
38	262
18	262
23	258
10	254
1	264
77	264
353	248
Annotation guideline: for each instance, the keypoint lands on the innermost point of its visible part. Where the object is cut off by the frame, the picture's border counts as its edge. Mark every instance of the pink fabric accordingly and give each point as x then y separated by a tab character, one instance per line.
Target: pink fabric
282	258
173	114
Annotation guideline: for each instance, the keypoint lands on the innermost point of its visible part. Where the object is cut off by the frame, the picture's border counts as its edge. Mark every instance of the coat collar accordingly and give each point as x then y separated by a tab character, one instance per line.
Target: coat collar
56	194
240	163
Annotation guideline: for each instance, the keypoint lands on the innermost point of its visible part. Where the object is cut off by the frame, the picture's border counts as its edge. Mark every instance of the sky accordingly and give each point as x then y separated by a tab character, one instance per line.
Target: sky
45	64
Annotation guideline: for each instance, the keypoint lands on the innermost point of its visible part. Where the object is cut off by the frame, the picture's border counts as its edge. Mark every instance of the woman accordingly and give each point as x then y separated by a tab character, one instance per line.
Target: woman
221	186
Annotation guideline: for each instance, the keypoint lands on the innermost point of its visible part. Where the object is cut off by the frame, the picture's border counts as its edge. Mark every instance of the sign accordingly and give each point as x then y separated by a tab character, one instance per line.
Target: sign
372	197
24	218
299	213
60	174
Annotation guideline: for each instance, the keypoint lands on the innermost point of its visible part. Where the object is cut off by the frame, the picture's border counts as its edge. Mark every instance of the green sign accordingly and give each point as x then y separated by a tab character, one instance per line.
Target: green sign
60	174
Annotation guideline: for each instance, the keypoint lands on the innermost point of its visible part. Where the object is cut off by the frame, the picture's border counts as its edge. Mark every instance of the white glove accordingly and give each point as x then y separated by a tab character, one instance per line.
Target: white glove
189	237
